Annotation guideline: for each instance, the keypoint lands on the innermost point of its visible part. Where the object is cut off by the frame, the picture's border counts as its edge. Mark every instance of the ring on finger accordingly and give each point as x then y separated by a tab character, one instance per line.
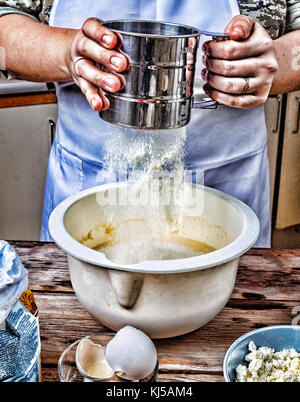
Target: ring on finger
246	87
77	59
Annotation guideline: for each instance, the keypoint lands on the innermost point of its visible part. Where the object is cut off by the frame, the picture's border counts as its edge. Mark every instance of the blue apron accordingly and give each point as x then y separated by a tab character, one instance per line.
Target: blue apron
228	144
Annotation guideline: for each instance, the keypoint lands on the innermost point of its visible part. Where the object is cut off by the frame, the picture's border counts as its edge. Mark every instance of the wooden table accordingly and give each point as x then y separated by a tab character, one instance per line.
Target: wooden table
267	292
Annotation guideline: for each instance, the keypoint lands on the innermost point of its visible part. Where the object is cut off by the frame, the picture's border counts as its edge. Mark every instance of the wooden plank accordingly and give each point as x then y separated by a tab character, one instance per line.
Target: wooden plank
63	318
50	375
63	321
268	275
47	266
169	377
39	98
262	273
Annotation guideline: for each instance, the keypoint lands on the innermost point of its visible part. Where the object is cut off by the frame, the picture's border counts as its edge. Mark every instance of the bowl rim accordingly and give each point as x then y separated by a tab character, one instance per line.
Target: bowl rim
248	335
233	250
196	32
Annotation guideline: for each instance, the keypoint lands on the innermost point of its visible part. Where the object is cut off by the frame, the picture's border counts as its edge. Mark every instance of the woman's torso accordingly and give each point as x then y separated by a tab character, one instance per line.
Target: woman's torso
269	13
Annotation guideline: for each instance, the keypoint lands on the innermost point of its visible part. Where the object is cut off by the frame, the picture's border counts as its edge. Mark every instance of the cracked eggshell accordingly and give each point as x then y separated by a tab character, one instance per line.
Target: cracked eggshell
90	360
131	352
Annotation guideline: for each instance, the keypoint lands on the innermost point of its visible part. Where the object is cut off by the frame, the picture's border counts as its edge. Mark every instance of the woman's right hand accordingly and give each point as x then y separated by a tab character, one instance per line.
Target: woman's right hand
92	44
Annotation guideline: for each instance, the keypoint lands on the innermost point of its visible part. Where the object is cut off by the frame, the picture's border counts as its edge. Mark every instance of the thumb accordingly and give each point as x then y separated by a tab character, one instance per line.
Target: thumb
240	27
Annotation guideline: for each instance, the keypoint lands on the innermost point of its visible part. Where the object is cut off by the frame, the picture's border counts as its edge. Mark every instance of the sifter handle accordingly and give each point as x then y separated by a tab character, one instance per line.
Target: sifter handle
217	36
210	104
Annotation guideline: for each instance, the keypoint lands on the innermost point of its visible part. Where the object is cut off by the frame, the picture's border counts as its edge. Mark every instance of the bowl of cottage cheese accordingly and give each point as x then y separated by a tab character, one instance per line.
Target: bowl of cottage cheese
270	354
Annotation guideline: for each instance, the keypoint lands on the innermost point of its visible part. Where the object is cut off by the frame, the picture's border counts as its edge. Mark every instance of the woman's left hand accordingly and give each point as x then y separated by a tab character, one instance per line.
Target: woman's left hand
239	72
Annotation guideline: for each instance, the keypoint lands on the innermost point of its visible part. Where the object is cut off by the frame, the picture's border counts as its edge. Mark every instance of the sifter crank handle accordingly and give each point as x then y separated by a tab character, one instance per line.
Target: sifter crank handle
217	36
210	104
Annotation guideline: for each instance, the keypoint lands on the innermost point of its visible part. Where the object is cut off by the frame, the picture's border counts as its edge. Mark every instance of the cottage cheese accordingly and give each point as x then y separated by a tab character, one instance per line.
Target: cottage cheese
266	365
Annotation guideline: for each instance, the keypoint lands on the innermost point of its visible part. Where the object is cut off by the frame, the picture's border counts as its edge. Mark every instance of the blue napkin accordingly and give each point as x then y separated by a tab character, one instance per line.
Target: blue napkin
13	277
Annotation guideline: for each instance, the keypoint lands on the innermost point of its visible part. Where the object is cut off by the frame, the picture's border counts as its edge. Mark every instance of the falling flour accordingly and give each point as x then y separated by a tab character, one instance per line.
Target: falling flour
152	162
144	154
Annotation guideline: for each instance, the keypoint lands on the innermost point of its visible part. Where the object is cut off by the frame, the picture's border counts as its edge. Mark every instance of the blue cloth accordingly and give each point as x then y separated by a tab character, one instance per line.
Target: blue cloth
19	329
20	347
228	144
13	276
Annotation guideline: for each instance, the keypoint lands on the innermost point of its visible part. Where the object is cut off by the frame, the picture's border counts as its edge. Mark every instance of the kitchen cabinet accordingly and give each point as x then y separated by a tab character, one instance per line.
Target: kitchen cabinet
26	133
286	231
288	211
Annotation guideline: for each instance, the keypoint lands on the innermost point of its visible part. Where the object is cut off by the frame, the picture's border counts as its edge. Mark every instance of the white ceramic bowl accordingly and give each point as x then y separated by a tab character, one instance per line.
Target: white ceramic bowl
163	298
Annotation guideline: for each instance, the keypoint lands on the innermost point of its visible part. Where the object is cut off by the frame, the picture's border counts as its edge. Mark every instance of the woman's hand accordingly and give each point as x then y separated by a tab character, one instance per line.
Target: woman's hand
93	44
240	72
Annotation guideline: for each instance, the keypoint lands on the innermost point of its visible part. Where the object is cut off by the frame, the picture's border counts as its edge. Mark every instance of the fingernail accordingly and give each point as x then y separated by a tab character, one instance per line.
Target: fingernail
107	39
204	74
239	30
116	61
94	104
110	82
204	60
206	50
